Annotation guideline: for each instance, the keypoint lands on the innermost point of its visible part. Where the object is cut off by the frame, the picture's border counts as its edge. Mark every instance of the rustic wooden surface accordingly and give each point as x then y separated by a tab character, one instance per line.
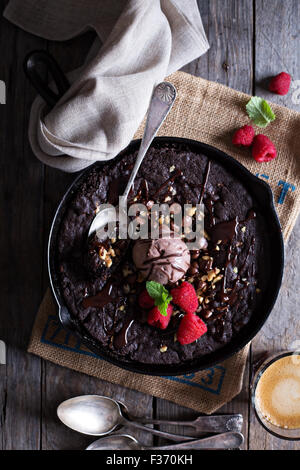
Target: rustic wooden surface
256	39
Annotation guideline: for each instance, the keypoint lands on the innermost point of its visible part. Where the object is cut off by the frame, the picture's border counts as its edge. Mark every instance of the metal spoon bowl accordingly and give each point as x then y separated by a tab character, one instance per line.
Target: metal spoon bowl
229	440
95	415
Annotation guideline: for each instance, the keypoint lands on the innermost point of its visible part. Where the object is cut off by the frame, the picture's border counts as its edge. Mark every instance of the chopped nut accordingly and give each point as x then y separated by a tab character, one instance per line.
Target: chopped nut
217	248
206	235
168	198
191	211
111	252
122	308
207	300
200	298
108	262
211	275
217	279
126	288
126	271
163	349
219	242
172	168
150	204
243	229
201	288
102	252
113	240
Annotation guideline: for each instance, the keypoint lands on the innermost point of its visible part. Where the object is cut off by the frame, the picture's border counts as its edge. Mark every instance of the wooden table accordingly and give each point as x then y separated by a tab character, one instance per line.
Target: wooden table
256	39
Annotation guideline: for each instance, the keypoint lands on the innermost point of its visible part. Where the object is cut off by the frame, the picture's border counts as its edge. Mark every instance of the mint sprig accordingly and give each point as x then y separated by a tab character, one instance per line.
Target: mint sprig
260	112
161	296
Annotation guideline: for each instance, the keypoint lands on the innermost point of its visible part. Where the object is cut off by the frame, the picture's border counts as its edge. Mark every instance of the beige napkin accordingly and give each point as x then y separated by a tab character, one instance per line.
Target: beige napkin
144	40
208	112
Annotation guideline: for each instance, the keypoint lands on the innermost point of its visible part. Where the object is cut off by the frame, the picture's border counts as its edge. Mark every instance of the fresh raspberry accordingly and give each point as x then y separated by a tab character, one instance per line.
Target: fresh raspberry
155	318
244	136
145	301
185	297
263	149
190	328
281	83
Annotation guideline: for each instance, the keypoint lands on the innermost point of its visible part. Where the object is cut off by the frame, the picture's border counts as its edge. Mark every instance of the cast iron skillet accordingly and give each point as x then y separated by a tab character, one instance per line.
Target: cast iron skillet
263	198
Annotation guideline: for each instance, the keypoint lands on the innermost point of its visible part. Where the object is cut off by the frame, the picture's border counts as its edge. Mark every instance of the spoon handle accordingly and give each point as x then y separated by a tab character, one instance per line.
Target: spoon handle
161	102
227	440
209	424
166	435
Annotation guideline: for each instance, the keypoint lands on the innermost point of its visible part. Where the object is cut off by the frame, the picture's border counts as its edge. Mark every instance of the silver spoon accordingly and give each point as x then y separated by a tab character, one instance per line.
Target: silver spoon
161	103
96	415
228	440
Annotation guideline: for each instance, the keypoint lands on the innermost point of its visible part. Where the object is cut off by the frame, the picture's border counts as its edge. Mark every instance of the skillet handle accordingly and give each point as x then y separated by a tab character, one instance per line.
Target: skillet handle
30	65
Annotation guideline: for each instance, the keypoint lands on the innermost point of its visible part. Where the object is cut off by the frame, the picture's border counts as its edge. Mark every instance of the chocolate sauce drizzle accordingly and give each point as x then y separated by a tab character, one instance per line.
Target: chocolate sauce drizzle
165	184
161	260
120	339
101	299
205	180
224	231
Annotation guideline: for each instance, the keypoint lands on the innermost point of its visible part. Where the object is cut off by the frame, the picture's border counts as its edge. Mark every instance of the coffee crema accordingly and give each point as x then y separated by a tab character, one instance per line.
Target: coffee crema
278	392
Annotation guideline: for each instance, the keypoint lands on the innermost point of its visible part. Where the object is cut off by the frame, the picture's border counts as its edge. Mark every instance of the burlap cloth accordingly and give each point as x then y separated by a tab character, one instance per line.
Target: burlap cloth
208	112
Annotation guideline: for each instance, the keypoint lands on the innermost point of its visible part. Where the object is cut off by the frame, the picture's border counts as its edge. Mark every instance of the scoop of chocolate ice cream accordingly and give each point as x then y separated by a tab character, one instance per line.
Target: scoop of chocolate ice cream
163	260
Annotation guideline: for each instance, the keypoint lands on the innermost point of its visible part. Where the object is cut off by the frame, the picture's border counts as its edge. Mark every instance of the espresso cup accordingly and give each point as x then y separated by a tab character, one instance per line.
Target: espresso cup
275	395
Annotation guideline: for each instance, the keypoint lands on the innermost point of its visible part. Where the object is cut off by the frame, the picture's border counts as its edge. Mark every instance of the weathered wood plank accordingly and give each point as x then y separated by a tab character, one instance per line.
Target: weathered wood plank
21	219
277	50
59	383
229	27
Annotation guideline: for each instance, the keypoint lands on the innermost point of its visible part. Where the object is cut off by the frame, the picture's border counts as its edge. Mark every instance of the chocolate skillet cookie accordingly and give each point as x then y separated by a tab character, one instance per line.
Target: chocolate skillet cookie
102	286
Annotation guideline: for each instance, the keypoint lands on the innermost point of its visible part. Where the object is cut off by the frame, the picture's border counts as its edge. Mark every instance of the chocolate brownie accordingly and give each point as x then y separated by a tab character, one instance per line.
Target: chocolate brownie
101	284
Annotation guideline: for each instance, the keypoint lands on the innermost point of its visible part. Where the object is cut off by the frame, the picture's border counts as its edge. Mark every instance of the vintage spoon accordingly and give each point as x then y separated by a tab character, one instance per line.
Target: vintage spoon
161	103
228	440
97	416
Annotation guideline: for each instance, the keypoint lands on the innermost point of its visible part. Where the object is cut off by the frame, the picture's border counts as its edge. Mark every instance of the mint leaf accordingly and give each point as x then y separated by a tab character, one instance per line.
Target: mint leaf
260	111
160	295
155	290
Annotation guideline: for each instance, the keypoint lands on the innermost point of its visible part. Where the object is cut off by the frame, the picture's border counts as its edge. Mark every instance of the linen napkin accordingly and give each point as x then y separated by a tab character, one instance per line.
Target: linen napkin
143	41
